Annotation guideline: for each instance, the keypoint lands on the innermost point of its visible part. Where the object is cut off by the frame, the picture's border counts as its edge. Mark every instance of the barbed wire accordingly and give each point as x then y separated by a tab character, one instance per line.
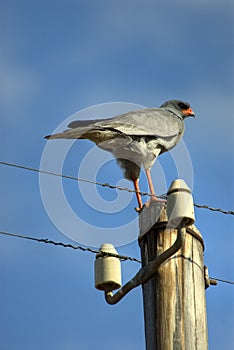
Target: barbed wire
86	249
227	212
78	179
75	247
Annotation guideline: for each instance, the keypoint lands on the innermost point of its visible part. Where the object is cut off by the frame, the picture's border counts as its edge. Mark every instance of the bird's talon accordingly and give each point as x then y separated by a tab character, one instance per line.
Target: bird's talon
162	200
154	199
147	204
138	210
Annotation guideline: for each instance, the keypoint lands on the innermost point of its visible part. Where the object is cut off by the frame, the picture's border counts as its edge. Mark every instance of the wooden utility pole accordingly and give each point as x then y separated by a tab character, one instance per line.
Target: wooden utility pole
174	298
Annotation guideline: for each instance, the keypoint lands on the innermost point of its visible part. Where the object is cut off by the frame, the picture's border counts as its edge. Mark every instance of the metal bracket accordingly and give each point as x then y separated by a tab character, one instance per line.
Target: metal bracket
208	281
146	272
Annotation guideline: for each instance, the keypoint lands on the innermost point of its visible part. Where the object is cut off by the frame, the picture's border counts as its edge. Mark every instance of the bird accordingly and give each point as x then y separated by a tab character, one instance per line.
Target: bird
135	138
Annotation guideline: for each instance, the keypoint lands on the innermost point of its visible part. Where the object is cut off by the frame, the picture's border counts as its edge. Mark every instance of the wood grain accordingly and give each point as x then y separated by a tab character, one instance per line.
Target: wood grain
174	299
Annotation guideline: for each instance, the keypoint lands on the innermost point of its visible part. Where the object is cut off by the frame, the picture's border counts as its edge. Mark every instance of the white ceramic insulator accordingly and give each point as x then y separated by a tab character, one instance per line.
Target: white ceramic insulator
180	207
107	269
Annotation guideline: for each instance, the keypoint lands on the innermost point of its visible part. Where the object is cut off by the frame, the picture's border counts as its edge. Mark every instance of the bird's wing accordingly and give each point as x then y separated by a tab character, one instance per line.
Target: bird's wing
156	122
151	121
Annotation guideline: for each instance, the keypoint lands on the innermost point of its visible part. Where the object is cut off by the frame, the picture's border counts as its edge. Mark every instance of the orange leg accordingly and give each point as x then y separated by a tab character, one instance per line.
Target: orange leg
151	186
137	189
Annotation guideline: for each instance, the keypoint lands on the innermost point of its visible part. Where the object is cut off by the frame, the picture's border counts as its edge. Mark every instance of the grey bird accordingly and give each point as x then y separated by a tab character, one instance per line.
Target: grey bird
136	138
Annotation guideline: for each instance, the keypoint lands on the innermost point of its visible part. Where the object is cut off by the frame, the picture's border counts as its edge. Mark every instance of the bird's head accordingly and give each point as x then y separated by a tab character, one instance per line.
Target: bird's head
179	107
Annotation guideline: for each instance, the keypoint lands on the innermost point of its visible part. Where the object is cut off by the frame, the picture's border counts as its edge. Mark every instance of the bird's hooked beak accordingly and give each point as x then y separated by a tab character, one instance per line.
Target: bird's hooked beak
188	112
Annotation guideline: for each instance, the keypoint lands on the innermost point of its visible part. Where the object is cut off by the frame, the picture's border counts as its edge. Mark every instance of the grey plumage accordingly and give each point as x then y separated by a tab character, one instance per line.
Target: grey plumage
135	138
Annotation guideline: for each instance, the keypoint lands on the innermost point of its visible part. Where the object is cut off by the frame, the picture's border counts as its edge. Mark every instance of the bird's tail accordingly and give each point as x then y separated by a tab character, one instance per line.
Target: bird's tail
77	133
49	137
55	136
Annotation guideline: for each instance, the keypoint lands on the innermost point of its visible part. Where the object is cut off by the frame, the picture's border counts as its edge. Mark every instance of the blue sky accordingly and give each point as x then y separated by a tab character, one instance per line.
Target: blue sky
57	59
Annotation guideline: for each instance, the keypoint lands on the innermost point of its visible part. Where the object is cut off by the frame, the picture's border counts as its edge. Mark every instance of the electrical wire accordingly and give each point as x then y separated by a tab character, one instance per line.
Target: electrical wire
78	179
75	247
227	212
86	249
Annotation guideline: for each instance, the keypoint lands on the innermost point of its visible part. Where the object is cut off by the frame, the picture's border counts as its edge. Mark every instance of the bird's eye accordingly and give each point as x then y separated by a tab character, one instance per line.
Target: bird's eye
183	105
